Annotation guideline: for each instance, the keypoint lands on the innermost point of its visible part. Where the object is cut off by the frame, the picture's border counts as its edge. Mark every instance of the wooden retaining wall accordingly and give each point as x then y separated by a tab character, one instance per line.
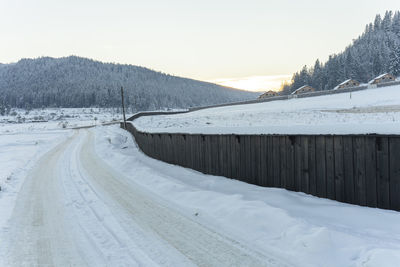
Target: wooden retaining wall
356	169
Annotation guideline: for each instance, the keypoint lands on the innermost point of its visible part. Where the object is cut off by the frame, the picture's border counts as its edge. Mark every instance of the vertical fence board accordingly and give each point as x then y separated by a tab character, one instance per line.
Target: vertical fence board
359	168
270	166
237	158
228	145
226	149
339	168
370	171
243	169
348	169
312	166
320	165
263	160
275	161
297	163
290	163
283	161
394	158
305	178
215	154
256	145
382	173
248	178
330	168
207	153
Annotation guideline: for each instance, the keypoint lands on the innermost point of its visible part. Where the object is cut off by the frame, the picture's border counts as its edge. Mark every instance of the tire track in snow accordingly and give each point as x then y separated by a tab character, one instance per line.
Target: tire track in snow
199	244
73	210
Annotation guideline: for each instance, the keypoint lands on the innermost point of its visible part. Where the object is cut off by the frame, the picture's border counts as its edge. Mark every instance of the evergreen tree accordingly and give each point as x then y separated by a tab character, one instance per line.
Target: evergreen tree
374	52
394	66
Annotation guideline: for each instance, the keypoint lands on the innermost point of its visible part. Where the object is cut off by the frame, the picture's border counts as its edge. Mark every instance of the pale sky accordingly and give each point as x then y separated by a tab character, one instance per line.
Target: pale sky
214	40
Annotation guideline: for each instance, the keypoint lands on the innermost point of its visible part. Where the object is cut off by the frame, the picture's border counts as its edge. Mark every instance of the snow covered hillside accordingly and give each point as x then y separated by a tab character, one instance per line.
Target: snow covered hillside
367	111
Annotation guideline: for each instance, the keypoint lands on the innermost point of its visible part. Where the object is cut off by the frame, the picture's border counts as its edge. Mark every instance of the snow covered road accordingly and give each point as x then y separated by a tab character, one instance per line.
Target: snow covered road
90	197
74	210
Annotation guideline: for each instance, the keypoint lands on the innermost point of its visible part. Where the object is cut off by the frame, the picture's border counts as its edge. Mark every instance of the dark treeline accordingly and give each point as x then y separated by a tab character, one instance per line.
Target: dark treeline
375	52
81	82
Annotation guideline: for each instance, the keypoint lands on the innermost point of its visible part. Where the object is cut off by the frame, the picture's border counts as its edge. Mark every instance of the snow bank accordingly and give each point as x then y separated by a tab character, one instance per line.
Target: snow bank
367	111
296	228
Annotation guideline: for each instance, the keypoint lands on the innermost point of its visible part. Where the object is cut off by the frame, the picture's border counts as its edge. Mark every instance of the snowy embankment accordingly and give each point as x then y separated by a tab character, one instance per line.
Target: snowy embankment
300	229
367	111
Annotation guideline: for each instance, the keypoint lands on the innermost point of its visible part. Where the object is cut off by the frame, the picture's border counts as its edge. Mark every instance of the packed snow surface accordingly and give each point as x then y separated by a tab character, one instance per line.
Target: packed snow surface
367	111
90	197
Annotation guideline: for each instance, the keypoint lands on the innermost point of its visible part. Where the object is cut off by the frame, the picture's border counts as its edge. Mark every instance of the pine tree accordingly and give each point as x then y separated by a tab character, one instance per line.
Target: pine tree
394	66
374	52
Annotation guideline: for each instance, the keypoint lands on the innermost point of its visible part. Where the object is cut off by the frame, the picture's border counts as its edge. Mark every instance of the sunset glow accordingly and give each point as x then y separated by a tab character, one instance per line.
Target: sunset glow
255	83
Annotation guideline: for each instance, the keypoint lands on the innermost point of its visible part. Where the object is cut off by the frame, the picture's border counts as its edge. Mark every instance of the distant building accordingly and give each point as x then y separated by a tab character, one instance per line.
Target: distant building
347	84
383	78
303	89
267	94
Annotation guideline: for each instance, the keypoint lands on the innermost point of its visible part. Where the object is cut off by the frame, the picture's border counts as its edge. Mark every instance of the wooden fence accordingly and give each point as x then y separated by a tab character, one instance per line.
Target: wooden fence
356	169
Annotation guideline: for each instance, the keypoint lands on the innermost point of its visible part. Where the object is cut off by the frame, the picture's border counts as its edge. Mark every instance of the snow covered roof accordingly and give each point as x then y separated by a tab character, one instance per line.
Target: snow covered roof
343	83
379	77
346	81
298	89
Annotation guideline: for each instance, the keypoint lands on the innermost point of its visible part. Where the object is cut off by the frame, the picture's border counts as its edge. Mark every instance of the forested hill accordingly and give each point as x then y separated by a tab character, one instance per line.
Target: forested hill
375	52
81	82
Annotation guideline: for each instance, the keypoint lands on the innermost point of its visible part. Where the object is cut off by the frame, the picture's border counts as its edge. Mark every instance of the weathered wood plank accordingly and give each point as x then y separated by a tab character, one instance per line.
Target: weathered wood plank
348	169
275	161
360	194
330	168
214	154
290	163
270	165
283	161
339	168
263	160
370	171
312	166
236	172
297	163
394	163
243	158
305	178
382	173
256	156
320	153
207	155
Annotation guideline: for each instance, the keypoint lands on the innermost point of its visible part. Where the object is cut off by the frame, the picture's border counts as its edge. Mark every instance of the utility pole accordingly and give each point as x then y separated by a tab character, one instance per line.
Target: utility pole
123	106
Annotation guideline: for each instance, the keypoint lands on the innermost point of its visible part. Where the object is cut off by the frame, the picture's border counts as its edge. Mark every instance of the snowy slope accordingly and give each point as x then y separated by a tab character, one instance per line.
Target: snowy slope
367	111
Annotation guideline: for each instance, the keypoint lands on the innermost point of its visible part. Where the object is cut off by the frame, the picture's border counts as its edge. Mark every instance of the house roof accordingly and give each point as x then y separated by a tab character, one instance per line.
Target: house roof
343	83
298	89
380	76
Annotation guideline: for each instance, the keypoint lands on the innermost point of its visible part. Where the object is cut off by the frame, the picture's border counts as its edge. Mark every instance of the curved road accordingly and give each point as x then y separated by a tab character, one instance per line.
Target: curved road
74	210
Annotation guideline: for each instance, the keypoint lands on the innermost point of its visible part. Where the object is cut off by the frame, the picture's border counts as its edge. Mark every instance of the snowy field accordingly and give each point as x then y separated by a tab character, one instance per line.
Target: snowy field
368	111
156	208
20	120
